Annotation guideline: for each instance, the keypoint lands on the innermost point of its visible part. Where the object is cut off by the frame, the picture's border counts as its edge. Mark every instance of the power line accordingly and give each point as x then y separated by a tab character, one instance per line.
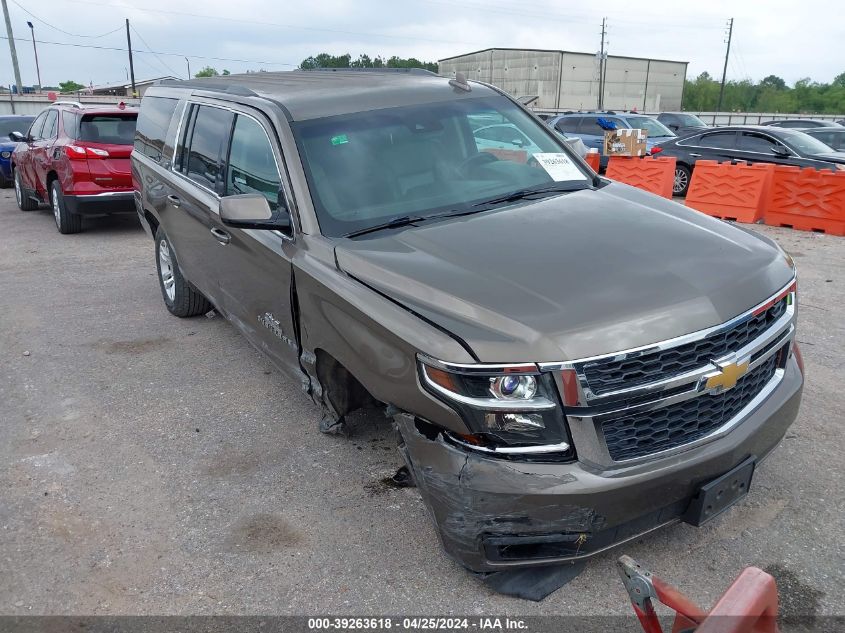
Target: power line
37	19
160	60
124	50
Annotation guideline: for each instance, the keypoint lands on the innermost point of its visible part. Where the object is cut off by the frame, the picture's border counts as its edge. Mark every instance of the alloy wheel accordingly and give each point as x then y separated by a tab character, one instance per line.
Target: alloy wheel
681	180
165	267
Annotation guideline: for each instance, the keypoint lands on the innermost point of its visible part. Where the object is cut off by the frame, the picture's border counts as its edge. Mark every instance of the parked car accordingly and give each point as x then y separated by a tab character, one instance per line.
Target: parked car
832	137
569	362
682	123
76	159
802	123
8	124
751	143
586	126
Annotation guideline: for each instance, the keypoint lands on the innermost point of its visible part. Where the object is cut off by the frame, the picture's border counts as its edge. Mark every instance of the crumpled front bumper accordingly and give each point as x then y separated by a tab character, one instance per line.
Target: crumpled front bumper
494	514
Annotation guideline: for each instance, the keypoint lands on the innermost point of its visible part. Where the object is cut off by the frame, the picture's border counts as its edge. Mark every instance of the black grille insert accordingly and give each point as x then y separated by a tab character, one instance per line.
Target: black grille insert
641	434
606	375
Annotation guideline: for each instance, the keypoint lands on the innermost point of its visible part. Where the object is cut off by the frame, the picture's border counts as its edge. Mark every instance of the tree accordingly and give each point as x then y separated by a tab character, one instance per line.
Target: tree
325	60
774	82
225	72
208	71
70	86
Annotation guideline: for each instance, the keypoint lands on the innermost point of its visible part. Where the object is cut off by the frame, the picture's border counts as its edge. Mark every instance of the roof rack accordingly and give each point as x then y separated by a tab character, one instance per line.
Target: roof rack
212	84
73	104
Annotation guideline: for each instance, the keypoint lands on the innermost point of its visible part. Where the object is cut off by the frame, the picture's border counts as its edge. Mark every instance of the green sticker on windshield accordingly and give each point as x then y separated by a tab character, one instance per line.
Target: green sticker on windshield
340	139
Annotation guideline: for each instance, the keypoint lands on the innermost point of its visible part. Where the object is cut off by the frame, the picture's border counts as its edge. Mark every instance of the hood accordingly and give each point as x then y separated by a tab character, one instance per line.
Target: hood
8	146
831	157
577	275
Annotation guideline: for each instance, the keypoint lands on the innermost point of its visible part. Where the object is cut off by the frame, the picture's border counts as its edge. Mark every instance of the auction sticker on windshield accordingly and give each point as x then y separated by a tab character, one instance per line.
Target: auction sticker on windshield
559	166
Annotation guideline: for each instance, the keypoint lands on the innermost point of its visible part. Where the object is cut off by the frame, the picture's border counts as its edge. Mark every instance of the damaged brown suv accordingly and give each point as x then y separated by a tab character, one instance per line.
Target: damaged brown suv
569	362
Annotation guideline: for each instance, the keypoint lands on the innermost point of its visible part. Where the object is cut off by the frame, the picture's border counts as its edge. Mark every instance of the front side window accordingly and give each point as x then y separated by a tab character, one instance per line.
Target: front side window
252	166
753	142
37	125
50	125
427	160
205	138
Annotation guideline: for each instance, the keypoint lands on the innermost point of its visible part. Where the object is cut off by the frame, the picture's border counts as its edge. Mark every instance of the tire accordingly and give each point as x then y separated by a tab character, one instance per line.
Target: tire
5	183
25	203
683	175
180	297
66	222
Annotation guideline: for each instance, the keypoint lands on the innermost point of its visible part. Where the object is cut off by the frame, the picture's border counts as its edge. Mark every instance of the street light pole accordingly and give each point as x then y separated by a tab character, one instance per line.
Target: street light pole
188	61
35	50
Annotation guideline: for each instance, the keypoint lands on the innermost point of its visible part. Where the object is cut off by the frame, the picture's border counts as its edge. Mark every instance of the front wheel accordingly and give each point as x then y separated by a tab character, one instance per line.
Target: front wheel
66	222
25	203
180	297
682	180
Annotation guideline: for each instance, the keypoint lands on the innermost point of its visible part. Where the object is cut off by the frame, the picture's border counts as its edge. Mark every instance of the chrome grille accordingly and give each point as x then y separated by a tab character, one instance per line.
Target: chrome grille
611	374
632	436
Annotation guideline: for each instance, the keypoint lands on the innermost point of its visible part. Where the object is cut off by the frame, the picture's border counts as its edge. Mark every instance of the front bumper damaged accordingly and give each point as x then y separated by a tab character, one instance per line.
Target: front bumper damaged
494	514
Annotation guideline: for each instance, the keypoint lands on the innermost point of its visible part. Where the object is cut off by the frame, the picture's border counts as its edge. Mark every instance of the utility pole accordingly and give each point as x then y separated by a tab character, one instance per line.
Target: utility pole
35	50
131	67
725	70
188	61
12	48
601	64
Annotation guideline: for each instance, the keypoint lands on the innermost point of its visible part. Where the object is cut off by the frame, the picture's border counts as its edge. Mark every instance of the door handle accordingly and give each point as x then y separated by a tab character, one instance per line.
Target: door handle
221	236
174	200
694	155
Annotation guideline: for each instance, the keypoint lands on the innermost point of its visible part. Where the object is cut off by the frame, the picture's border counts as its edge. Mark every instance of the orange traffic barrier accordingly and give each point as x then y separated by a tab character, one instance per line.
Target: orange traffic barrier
593	160
750	605
730	191
807	199
655	175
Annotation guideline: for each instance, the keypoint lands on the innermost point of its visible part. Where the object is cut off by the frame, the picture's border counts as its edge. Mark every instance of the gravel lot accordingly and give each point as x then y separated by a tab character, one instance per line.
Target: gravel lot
152	465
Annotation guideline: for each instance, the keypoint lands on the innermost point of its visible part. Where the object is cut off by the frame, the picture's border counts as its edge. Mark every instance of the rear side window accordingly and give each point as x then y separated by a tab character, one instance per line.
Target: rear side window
569	124
205	138
722	140
70	122
115	129
153	122
252	166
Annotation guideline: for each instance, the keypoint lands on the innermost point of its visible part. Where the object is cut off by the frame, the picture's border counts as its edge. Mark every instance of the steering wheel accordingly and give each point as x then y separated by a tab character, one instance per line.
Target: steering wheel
476	160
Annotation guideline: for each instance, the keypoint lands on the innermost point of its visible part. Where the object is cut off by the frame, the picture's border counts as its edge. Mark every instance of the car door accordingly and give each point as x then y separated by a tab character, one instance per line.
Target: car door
41	153
193	195
758	147
23	160
718	146
254	266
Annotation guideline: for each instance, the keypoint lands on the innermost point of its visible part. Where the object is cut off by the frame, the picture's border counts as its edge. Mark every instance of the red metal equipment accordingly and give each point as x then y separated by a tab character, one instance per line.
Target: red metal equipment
750	605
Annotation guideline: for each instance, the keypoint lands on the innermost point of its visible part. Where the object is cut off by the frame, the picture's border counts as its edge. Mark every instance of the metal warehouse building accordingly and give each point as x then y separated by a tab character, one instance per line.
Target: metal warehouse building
570	81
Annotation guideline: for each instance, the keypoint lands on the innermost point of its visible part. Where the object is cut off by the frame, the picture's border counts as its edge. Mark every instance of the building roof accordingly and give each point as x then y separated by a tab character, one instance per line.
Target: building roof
128	84
311	94
551	50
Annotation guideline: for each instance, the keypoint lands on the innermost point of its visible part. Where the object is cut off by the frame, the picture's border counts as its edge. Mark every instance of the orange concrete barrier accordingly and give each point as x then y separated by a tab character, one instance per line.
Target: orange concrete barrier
654	175
593	160
807	199
730	192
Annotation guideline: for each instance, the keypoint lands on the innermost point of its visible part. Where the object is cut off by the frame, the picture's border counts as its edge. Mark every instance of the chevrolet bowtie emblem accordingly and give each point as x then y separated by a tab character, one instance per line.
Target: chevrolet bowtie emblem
727	377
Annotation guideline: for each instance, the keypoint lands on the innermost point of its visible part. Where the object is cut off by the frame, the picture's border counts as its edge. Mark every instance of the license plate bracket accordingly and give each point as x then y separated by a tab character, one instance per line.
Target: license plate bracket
716	496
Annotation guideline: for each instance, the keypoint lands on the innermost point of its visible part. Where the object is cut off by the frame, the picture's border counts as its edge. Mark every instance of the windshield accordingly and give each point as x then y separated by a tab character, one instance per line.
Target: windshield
653	127
690	120
367	168
118	129
18	124
806	144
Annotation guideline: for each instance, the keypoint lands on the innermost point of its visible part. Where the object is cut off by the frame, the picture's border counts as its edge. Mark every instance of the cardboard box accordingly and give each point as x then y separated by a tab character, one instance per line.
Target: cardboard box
625	142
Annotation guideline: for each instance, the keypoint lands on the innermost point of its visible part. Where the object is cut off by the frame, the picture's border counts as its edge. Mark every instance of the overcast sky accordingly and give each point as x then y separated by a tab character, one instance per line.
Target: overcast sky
781	37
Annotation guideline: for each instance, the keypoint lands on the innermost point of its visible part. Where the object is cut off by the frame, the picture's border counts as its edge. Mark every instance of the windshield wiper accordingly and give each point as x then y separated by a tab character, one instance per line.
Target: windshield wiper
522	194
403	220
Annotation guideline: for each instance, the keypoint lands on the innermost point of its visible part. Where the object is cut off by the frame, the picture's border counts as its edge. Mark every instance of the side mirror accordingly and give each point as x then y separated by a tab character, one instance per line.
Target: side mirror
780	150
252	211
17	137
674	126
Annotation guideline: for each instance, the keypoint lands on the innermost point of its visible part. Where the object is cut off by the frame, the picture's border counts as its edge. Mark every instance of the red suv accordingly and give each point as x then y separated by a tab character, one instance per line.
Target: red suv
76	159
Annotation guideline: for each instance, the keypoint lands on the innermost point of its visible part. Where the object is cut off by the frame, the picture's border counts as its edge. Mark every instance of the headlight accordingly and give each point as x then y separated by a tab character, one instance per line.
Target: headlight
5	154
510	409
